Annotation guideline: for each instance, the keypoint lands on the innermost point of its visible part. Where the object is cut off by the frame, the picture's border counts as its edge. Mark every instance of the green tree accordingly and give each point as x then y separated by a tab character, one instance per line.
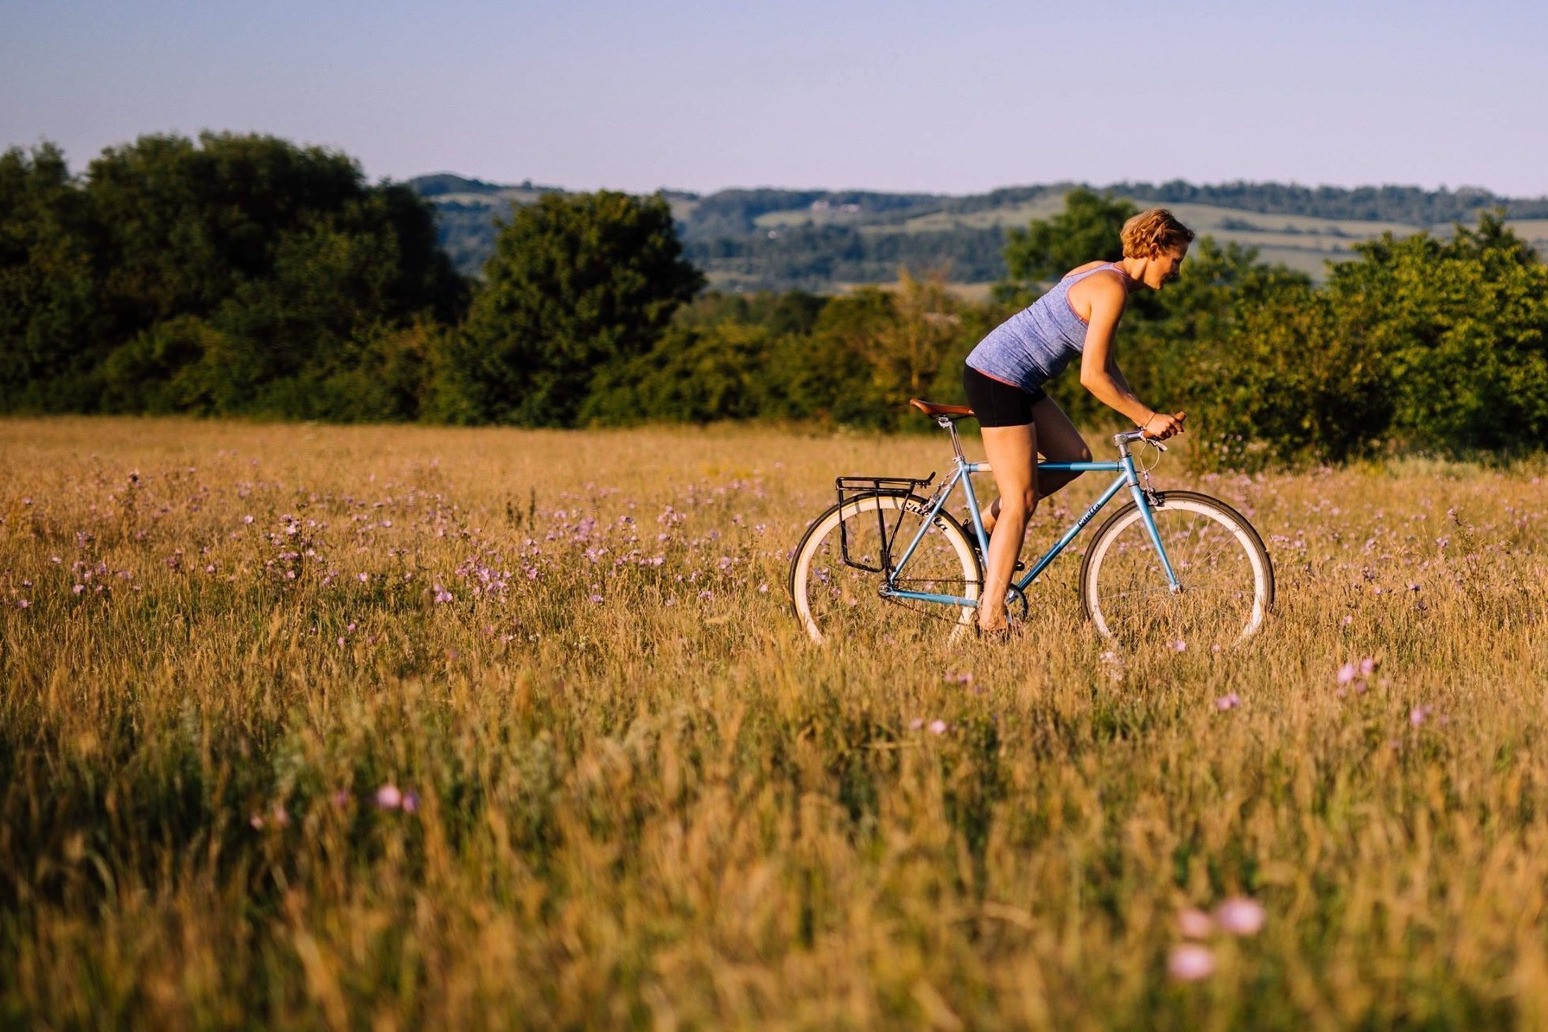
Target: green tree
690	375
1284	386
1087	230
907	351
50	317
232	274
832	377
1461	328
1195	317
1439	344
577	283
289	257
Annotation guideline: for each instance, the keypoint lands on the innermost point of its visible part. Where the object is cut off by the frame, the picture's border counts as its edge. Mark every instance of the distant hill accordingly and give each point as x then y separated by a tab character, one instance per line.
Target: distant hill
824	240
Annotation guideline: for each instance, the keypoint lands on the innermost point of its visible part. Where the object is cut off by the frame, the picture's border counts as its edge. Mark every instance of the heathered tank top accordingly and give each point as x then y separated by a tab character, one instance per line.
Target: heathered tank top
1034	345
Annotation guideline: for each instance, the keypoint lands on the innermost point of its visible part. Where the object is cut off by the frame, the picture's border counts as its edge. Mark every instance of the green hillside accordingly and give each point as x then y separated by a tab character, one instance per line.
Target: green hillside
820	240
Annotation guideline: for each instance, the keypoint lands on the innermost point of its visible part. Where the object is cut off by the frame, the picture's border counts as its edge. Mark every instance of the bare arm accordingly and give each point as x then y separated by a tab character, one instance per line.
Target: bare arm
1099	372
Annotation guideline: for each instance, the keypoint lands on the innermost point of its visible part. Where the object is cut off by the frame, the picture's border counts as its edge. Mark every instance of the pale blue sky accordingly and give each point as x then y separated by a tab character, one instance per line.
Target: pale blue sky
908	95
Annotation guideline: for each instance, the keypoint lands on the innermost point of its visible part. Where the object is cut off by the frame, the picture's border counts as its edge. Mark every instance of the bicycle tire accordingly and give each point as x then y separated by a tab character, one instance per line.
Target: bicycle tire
833	599
1226	576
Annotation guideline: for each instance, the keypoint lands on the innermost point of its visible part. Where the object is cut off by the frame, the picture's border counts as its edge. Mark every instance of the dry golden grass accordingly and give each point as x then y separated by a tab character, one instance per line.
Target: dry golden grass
491	728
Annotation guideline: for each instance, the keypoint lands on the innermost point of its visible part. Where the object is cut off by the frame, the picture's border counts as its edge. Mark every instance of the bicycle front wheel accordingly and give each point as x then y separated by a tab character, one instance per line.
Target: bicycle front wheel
839	576
1226	581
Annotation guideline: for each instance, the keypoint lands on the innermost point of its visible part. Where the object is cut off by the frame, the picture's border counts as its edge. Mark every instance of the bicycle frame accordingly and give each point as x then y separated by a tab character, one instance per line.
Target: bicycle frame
1128	475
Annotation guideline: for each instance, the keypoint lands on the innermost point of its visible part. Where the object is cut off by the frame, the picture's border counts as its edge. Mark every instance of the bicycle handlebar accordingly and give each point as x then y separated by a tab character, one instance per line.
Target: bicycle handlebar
1137	435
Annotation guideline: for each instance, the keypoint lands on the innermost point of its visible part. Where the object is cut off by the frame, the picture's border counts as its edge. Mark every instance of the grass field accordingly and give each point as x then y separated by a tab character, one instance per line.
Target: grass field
401	728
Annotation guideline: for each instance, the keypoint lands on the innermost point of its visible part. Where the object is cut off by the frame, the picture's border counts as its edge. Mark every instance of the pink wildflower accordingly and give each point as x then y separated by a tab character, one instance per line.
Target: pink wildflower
1241	916
388	797
1193	923
1190	962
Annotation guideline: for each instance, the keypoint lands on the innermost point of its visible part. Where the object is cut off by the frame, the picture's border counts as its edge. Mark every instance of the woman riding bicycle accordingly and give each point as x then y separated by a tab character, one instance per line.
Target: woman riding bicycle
1005	374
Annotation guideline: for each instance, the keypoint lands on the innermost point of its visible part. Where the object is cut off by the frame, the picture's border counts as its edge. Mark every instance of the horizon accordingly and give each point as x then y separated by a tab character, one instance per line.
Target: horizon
526	182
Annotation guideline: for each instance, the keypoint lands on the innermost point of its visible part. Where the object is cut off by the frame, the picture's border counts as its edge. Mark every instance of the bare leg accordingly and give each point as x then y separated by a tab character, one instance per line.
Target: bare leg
1012	453
1058	441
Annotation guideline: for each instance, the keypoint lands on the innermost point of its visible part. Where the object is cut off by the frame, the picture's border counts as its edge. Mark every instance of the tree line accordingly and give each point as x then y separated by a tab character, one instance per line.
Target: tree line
821	238
242	275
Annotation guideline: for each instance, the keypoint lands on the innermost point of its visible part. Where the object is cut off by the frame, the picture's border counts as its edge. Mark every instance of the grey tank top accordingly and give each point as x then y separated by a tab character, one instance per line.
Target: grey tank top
1034	345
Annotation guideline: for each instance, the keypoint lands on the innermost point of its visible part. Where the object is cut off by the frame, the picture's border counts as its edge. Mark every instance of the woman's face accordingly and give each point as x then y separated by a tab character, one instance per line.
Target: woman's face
1165	268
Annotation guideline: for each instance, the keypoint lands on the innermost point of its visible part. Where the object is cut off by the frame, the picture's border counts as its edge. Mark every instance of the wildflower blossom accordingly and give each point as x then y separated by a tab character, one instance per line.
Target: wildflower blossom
1241	916
1190	962
389	797
1193	923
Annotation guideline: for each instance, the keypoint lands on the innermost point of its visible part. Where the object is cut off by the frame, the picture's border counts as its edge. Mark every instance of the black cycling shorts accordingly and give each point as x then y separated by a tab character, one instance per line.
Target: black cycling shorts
997	403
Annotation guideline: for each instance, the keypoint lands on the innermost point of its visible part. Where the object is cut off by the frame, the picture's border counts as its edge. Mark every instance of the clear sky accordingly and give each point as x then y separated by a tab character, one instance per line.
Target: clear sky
937	97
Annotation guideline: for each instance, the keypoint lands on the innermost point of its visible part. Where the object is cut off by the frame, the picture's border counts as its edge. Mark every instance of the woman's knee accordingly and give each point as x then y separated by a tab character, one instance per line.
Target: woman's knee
1018	503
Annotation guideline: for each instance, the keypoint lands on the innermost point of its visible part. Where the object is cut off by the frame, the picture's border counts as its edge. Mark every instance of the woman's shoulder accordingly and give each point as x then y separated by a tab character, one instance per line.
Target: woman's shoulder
1084	294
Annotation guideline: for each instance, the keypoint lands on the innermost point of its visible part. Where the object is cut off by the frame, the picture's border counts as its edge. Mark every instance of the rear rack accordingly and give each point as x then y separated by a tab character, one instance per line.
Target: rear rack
851	489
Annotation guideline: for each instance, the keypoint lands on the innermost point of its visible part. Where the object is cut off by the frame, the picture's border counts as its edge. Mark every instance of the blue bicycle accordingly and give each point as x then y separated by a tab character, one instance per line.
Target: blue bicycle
1173	568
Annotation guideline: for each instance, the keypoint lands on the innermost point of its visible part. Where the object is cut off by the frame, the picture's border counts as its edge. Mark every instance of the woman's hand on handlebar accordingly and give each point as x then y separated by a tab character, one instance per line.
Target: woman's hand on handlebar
1162	425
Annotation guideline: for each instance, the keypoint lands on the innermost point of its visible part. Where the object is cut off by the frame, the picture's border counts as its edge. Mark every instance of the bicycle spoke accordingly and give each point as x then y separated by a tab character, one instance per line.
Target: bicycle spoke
1225	582
836	598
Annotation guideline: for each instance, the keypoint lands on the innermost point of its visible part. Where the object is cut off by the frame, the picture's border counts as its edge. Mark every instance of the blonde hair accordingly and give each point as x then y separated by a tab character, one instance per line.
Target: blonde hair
1150	234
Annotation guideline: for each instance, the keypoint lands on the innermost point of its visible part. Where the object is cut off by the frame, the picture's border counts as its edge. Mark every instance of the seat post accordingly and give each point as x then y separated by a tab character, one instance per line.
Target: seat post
956	441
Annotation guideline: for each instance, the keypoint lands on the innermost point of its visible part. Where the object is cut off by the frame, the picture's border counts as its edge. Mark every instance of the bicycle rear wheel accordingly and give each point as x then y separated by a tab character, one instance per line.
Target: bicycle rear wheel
1226	578
836	576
